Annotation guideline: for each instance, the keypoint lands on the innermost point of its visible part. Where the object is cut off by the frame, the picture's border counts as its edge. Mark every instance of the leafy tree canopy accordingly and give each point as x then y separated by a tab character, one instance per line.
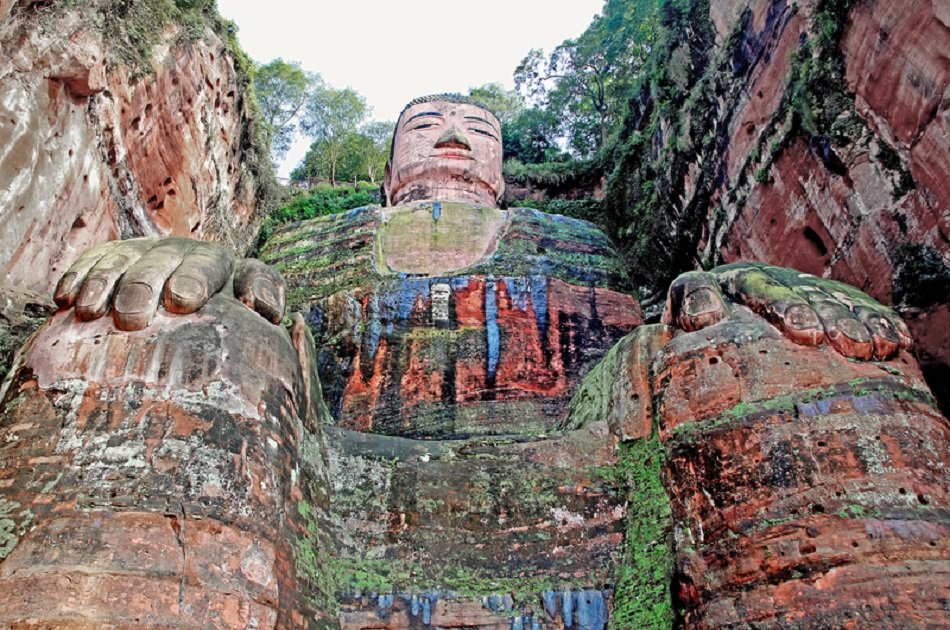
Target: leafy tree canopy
282	89
330	118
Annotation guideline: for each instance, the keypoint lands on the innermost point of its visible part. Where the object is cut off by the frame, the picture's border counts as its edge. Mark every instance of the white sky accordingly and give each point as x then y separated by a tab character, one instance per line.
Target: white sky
392	51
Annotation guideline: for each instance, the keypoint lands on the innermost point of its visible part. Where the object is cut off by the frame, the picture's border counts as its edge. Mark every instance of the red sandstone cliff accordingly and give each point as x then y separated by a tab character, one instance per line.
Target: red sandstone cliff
814	135
93	149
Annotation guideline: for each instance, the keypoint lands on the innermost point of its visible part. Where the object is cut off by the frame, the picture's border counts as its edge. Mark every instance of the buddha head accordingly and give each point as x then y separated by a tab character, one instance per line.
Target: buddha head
446	147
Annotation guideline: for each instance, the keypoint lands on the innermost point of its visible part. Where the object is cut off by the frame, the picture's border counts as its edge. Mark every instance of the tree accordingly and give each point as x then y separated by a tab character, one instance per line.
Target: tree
587	81
282	90
360	154
380	135
330	115
531	136
505	104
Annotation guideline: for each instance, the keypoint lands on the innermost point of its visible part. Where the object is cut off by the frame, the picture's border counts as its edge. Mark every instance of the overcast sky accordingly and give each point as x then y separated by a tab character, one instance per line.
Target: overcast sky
392	51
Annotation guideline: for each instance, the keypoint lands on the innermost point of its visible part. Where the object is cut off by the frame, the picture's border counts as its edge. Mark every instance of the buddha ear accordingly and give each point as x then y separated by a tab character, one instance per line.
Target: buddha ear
387	183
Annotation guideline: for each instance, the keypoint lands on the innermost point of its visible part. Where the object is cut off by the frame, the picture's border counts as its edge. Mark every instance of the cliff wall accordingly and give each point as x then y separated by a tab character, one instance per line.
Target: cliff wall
805	134
119	121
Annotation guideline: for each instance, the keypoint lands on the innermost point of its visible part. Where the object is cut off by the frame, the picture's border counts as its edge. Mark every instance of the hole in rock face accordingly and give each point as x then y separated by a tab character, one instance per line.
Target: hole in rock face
148	109
80	222
813	238
822	443
713	360
818	508
167	181
902	490
922	499
854	544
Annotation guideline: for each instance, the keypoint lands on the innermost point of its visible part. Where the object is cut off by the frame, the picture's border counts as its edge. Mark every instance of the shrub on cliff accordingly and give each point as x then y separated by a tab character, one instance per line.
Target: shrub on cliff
319	201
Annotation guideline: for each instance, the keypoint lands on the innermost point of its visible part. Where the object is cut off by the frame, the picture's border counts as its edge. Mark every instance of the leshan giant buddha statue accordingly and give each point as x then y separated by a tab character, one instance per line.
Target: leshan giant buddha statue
174	466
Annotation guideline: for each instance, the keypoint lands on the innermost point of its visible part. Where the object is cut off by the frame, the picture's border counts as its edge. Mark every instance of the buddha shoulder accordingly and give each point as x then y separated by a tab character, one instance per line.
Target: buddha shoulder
438	239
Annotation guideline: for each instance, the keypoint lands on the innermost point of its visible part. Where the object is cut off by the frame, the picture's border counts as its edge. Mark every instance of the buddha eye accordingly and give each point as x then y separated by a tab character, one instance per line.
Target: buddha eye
423	126
483	133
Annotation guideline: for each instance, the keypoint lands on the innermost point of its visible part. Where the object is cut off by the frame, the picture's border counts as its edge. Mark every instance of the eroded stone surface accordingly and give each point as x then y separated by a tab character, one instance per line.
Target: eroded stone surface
155	478
806	488
800	487
524	323
91	154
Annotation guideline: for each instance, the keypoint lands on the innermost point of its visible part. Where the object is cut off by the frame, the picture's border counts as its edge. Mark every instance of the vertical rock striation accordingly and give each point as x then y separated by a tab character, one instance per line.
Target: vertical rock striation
168	477
98	145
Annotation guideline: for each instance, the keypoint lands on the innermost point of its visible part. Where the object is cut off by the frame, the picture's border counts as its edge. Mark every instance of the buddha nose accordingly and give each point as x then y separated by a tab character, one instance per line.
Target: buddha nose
453	138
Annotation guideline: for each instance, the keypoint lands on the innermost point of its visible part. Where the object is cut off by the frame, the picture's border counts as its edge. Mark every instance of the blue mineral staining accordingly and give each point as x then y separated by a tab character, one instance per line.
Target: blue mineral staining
492	335
811	409
591	610
384	602
567	608
459	283
414	606
518	291
495	603
550	603
426	610
535	623
436	210
539	299
517	623
868	404
373	326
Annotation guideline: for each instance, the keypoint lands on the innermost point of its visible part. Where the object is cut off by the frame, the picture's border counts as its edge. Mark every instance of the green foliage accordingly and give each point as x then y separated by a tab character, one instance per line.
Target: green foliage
643	597
358	154
282	90
588	208
585	82
667	125
134	28
923	277
529	137
505	104
322	200
564	174
330	119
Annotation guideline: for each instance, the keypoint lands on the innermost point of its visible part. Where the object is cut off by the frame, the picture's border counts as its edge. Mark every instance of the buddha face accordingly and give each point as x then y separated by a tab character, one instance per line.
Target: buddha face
445	152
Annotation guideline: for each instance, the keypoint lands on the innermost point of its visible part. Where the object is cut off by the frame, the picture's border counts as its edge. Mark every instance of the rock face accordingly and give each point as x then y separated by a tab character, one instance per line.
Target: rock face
845	211
453	338
496	347
816	136
164	477
94	149
806	489
801	488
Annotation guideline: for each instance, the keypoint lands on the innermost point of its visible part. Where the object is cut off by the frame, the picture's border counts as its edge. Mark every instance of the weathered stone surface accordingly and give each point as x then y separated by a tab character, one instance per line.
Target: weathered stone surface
807	489
840	199
91	153
496	347
445	148
21	312
469	533
155	478
802	488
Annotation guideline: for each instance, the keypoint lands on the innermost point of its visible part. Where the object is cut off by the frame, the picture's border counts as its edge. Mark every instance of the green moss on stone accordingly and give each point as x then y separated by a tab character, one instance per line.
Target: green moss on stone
643	595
